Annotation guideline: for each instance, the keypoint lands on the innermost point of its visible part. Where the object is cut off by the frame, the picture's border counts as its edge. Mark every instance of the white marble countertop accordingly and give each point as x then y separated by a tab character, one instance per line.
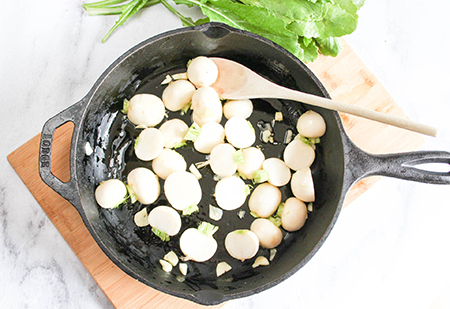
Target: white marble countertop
389	249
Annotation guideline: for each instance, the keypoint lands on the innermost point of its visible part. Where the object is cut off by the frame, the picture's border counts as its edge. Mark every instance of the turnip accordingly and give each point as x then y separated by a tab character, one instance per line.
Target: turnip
222	160
178	95
264	200
206	106
239	108
302	185
145	185
111	193
182	190
239	132
174	131
279	172
293	215
253	159
149	144
242	244
231	192
165	219
202	71
311	125
298	155
167	162
201	121
145	109
198	244
269	235
207	137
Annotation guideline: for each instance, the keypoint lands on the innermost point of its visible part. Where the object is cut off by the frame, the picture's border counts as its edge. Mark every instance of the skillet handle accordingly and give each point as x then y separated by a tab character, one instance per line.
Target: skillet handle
67	189
402	165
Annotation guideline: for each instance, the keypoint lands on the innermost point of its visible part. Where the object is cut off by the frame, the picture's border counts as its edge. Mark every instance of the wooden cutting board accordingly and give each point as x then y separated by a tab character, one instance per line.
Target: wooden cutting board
346	78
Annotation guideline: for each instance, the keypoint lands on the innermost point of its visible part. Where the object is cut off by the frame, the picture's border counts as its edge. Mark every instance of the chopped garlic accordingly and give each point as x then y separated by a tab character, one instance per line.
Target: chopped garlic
241	214
172	258
260	261
278	116
166	266
273	252
215	213
141	218
88	149
194	170
222	268
183	268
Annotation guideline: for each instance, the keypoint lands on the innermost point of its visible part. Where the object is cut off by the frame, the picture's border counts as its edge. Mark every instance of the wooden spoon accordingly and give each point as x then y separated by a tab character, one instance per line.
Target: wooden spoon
236	81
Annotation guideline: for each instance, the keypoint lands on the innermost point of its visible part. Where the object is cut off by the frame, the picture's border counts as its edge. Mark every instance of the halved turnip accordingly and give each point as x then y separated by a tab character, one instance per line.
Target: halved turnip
145	109
231	192
269	235
242	244
178	95
253	159
222	160
302	185
294	214
174	131
167	162
239	132
298	155
198	244
182	190
145	185
264	200
279	172
149	144
165	219
238	108
111	193
207	137
202	71
311	124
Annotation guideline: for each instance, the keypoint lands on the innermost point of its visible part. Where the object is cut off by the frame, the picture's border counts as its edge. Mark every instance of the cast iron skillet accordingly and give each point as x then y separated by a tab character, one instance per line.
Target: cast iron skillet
99	125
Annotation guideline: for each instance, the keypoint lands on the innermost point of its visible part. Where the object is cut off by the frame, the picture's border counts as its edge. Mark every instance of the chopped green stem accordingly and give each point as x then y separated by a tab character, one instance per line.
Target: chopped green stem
190	210
126	105
193	132
207	228
163	236
275	220
260	176
238	157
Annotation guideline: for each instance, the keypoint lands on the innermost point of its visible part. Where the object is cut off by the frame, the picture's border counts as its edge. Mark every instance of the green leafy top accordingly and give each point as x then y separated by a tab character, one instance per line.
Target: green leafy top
304	27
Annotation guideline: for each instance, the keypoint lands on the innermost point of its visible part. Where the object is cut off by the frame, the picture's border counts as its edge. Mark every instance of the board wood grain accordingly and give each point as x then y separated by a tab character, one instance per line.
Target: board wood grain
346	78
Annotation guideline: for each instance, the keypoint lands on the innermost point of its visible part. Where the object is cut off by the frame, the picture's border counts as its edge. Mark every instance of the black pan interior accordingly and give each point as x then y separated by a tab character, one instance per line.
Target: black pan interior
136	250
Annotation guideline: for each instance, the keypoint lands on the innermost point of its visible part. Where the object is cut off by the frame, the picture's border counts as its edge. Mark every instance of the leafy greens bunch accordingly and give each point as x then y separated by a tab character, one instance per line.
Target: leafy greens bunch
304	27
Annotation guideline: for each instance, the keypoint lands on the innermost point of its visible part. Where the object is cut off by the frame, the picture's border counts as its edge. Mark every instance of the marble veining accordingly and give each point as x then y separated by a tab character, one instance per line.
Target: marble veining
389	249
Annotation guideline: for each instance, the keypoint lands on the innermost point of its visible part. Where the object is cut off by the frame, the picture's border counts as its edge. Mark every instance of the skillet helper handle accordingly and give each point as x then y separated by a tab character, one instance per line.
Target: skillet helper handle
66	189
407	166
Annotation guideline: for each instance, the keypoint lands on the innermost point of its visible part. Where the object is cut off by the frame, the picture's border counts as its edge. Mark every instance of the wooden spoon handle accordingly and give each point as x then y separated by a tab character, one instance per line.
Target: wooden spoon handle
357	111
